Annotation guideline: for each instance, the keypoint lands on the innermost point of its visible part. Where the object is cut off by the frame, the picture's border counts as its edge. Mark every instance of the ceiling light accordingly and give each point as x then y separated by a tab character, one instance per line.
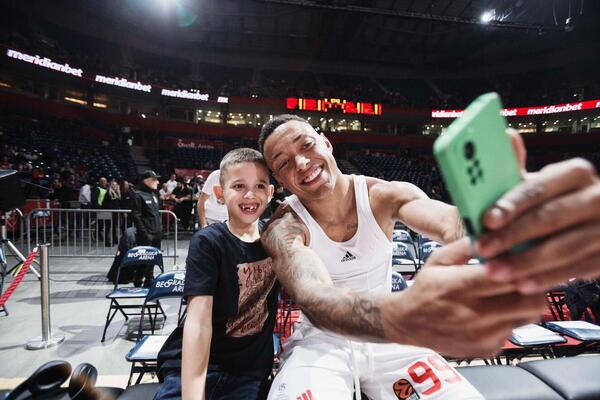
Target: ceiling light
487	16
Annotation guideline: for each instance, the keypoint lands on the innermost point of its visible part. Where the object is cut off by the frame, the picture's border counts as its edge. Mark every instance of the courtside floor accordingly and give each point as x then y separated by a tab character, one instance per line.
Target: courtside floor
78	310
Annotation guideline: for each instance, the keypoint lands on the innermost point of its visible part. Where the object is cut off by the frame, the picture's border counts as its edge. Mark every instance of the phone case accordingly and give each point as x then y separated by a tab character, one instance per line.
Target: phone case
477	160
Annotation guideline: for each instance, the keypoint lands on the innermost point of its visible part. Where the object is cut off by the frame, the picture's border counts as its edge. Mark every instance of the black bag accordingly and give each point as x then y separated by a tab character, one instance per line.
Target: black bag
583	300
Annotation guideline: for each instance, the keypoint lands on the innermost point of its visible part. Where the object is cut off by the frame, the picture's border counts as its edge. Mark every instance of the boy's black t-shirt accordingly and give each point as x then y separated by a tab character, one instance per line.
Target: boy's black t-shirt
240	278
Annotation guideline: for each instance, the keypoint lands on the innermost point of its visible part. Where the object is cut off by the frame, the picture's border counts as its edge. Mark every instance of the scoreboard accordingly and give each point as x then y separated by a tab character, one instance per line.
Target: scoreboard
332	106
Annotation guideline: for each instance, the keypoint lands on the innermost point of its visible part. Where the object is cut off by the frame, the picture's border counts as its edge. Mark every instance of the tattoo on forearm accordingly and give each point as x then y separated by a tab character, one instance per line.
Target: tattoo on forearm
345	313
306	280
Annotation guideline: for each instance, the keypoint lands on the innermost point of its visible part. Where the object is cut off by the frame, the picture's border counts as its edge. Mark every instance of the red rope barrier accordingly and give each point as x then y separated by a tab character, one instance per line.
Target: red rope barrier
19	277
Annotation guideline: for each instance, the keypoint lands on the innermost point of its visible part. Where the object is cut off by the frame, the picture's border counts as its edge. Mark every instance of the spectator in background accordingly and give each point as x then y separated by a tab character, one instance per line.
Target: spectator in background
98	193
6	164
182	195
210	210
126	203
85	195
164	192
72	188
172	183
58	194
146	218
278	197
196	186
112	201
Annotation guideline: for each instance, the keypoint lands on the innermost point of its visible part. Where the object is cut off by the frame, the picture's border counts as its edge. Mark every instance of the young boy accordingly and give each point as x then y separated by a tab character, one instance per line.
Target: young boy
231	293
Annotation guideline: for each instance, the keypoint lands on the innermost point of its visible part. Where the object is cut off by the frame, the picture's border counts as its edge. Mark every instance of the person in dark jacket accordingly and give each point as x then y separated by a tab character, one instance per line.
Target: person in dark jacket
146	216
146	230
145	211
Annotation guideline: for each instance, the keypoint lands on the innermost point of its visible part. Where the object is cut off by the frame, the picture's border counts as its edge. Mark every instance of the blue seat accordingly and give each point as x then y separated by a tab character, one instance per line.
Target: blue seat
143	356
136	259
404	258
398	282
426	247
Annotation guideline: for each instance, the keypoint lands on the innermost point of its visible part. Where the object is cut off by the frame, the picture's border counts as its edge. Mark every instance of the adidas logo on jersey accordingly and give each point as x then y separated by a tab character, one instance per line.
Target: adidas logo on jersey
348	256
307	395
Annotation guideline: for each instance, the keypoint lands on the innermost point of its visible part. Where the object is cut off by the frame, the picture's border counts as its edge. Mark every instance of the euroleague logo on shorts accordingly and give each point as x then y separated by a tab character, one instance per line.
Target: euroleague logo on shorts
404	390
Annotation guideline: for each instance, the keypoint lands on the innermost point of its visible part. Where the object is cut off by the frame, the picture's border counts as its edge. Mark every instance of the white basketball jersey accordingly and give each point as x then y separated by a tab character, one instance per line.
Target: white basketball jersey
364	262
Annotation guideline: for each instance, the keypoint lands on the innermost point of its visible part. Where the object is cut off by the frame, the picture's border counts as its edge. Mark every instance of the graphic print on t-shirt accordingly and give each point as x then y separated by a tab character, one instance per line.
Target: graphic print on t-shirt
256	279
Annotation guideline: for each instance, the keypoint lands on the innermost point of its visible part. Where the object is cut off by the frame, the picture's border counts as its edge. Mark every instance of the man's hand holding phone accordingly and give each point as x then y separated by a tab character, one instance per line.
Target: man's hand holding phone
559	208
556	211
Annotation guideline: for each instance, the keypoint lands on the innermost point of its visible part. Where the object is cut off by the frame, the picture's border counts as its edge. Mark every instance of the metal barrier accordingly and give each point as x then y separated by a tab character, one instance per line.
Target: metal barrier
90	232
13	227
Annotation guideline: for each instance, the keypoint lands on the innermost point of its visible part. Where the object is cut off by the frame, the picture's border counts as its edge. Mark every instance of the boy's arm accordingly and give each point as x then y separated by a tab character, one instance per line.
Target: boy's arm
197	335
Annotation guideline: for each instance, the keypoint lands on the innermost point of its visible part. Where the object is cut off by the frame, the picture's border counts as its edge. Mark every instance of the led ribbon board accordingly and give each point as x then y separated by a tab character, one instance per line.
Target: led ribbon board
528	111
333	105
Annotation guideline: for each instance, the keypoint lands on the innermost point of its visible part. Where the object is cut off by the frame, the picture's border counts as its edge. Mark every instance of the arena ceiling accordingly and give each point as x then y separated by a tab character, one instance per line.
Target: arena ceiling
444	34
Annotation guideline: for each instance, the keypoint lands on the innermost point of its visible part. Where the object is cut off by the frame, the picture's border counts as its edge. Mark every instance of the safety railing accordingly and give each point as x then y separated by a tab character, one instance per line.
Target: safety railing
13	227
90	232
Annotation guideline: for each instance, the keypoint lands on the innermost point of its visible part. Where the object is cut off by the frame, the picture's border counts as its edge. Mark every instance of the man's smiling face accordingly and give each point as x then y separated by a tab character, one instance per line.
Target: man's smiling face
301	160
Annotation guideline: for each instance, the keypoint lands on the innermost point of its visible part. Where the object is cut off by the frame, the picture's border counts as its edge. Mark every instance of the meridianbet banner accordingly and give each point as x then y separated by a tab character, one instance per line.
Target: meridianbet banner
44	62
113	81
528	111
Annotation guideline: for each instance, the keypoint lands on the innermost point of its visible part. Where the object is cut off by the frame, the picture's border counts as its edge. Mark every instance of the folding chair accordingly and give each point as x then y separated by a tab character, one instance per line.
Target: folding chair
426	247
398	282
139	257
143	356
404	259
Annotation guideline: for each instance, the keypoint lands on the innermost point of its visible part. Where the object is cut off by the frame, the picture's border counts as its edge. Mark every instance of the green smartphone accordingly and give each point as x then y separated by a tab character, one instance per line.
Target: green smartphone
477	160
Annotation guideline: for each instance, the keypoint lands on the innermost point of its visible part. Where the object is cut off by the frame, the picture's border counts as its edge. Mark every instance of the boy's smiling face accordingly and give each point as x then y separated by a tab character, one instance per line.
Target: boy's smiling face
246	191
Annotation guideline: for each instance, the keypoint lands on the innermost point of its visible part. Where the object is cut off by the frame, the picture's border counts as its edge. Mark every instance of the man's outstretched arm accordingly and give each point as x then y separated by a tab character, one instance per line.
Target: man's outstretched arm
456	311
328	307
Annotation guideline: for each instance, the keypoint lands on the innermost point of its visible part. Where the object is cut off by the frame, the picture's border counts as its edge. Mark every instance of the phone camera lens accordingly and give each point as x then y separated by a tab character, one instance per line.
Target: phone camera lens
469	150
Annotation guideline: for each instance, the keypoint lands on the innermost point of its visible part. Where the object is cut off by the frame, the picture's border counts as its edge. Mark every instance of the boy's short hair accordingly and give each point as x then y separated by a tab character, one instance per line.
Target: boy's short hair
273	124
238	156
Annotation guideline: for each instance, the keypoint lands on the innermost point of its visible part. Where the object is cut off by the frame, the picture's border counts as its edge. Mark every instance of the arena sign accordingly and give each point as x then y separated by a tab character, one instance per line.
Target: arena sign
333	105
44	62
124	83
191	95
528	111
184	94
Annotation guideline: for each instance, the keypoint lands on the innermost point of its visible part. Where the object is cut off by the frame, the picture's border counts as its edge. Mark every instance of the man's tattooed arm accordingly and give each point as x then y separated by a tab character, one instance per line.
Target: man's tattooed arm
306	280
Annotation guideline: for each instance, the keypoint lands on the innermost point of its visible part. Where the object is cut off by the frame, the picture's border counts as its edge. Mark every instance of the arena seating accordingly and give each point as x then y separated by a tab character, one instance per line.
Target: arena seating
421	171
66	147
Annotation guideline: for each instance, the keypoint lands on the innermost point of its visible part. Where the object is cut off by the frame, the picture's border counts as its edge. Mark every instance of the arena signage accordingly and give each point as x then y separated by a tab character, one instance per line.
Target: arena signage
193	145
333	105
184	94
44	62
528	111
191	95
124	83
